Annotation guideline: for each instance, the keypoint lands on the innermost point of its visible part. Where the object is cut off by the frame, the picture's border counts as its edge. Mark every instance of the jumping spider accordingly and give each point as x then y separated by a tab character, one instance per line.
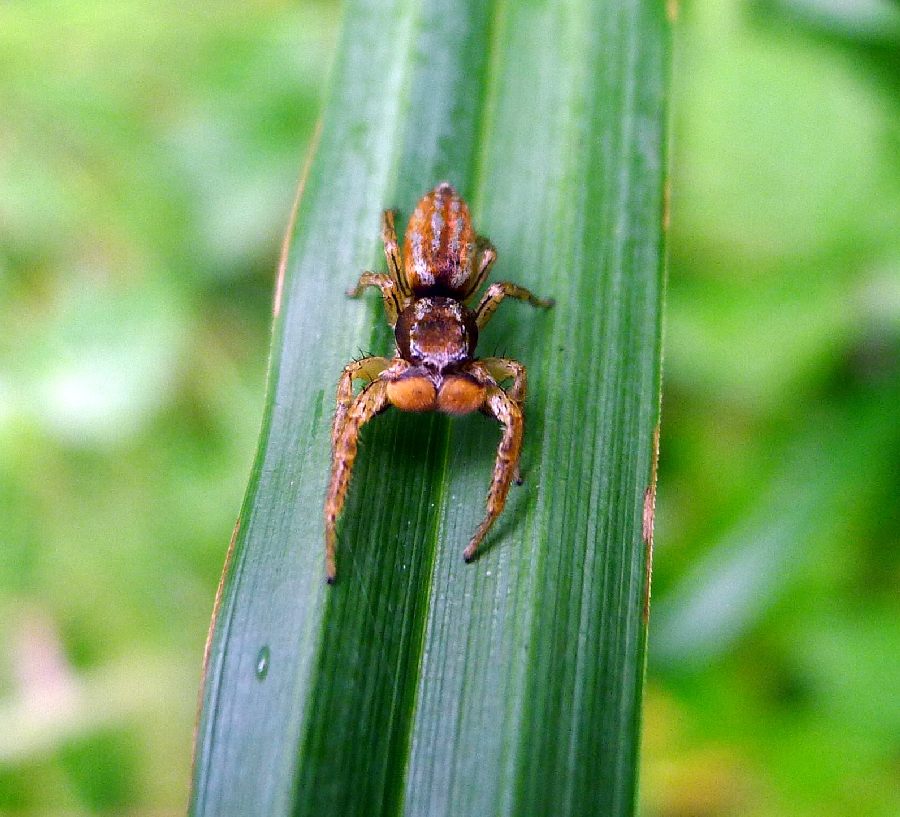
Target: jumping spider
426	293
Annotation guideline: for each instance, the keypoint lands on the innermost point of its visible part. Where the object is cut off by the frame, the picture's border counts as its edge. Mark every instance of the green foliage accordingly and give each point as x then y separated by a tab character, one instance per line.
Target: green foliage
147	161
774	604
418	684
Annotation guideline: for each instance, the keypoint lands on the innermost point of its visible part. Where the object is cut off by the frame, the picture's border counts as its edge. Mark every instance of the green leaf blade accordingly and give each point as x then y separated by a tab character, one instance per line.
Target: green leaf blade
419	684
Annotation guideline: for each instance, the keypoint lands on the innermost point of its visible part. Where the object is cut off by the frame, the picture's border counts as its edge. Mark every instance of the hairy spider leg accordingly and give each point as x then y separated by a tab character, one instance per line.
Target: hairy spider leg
485	257
367	368
504	368
369	402
394	300
508	413
392	252
503	289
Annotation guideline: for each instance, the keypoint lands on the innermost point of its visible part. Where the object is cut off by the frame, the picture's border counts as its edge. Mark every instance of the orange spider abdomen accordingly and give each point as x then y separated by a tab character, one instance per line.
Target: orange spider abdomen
439	246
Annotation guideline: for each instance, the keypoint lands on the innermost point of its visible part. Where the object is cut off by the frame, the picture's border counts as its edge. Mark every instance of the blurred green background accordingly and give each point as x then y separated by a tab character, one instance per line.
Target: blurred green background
148	158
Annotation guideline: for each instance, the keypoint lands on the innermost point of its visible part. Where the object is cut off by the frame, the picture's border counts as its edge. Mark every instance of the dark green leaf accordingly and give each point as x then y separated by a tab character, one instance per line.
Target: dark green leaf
418	684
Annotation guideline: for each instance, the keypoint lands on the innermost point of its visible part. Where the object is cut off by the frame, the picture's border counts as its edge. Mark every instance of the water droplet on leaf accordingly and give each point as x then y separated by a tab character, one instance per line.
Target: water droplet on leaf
262	663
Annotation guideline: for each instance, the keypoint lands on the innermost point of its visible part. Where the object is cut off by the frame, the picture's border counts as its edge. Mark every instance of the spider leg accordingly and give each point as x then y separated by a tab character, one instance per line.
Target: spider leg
394	300
503	289
485	255
507	411
503	368
366	369
369	402
392	252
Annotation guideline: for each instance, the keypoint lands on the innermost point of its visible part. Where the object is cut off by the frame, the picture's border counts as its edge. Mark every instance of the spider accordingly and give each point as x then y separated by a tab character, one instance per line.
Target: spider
427	294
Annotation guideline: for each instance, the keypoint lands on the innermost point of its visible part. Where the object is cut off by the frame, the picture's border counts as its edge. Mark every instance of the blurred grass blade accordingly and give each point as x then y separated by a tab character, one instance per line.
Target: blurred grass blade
822	476
418	684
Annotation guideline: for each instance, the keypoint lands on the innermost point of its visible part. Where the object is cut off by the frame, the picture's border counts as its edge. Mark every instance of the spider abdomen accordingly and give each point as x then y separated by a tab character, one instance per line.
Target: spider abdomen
440	245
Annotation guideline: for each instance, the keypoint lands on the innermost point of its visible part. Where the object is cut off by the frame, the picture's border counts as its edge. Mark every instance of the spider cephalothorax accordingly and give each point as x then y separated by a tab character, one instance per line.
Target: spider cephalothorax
426	300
